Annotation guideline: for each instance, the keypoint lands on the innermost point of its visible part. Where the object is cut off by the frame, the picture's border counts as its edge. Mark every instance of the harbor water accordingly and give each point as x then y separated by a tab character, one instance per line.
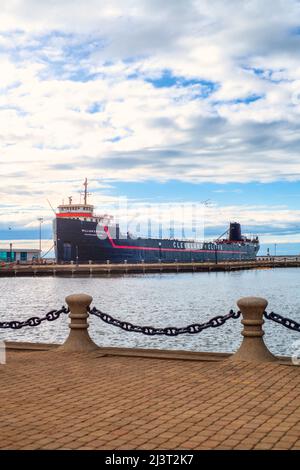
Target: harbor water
158	300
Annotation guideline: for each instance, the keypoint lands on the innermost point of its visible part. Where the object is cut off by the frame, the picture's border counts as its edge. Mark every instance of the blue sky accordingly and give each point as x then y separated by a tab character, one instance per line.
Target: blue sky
182	101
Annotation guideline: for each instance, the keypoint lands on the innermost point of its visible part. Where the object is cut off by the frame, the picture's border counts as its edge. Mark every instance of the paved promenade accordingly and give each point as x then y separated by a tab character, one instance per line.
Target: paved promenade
63	400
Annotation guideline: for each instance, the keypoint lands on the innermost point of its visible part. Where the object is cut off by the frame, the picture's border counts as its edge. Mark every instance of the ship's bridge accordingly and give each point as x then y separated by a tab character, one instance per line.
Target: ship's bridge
75	210
81	212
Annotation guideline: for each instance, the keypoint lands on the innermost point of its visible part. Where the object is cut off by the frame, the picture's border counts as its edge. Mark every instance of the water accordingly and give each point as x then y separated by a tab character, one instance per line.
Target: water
159	300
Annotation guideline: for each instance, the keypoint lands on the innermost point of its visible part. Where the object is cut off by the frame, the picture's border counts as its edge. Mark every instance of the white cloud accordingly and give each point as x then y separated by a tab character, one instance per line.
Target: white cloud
59	58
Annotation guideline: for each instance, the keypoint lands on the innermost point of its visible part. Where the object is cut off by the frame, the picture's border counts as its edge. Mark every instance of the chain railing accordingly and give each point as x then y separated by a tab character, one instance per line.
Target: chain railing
252	309
34	321
168	331
287	322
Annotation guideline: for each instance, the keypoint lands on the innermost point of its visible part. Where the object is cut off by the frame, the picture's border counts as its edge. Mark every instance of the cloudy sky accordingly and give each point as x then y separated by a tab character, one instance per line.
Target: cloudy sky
180	100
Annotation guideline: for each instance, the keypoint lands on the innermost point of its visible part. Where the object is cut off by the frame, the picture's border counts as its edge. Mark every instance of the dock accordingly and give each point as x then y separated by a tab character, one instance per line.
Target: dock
91	269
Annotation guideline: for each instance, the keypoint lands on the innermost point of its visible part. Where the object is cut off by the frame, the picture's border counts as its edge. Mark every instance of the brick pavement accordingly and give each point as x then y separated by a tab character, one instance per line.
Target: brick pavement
59	400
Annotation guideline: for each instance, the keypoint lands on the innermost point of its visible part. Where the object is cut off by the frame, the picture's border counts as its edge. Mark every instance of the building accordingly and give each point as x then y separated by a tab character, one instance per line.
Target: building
8	255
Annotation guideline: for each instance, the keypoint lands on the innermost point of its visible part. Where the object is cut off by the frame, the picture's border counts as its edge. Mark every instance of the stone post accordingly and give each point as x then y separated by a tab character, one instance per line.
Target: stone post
253	348
78	340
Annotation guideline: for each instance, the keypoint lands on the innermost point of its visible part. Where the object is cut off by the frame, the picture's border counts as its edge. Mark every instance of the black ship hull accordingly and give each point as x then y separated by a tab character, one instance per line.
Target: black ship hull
83	241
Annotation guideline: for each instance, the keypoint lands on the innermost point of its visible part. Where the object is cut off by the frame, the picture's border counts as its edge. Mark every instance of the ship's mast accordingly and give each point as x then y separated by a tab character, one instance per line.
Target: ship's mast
85	184
85	192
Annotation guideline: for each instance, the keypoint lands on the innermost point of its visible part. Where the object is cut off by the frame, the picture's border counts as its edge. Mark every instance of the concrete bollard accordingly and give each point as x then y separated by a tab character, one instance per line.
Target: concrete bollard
78	340
253	348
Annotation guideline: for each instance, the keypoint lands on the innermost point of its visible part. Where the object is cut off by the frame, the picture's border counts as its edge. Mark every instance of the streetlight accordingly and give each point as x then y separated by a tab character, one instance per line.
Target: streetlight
10	247
41	220
275	248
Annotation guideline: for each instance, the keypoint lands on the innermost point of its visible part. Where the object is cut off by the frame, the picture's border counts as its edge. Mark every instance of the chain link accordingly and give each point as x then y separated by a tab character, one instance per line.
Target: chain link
34	321
168	331
287	322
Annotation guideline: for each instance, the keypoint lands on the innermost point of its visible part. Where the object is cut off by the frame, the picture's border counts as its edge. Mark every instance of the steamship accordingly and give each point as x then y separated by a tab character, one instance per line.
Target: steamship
81	236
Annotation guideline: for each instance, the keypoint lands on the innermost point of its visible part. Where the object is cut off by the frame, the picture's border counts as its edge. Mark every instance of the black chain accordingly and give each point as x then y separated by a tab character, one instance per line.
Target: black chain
34	321
169	331
287	322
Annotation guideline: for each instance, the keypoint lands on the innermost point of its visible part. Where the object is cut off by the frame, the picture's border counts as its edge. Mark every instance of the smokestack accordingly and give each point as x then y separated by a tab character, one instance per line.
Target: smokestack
235	234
